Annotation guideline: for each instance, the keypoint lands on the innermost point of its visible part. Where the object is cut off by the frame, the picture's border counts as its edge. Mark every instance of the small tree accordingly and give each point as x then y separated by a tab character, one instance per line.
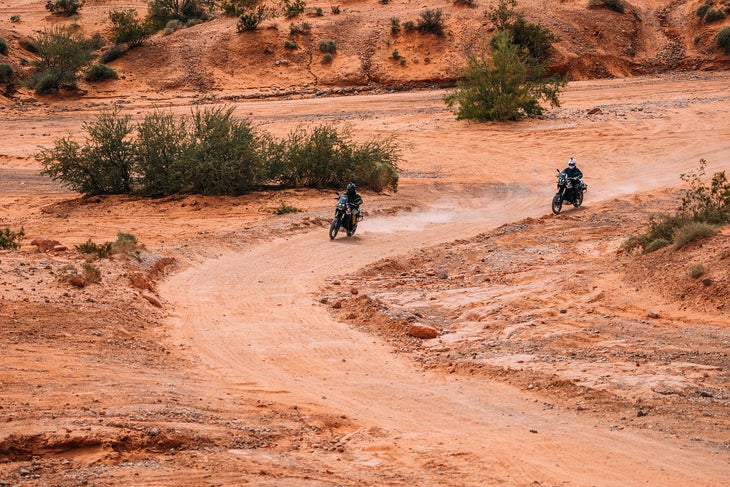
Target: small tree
160	12
292	8
64	7
235	8
502	88
162	146
3	47
61	55
250	19
128	29
723	39
502	14
102	165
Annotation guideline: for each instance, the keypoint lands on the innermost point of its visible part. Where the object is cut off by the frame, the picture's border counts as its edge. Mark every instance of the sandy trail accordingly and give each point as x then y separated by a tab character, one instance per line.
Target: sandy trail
253	320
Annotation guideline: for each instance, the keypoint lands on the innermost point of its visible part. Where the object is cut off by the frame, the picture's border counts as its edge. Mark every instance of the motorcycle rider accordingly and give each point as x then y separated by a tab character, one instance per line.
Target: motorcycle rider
573	174
354	200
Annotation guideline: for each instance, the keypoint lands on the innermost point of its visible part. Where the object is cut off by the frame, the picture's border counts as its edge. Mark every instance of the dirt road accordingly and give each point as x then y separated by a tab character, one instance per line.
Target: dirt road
249	378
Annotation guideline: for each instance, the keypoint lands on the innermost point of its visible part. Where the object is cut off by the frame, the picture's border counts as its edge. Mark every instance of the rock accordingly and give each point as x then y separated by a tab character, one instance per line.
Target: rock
46	244
653	315
595	111
353	291
424	332
641	413
706	281
77	280
154	432
152	300
563	310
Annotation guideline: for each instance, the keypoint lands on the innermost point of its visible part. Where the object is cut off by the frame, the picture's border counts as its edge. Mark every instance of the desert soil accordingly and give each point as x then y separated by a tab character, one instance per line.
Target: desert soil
241	347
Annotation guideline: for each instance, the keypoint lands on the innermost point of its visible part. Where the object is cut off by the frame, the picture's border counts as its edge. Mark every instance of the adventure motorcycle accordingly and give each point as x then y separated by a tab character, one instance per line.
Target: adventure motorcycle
343	217
570	190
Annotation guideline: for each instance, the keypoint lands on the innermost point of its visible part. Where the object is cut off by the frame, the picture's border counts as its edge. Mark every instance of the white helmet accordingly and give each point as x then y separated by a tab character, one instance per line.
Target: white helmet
571	162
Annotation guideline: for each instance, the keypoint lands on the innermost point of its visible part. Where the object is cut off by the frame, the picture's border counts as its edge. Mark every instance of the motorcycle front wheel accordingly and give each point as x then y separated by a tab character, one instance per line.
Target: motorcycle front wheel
578	199
335	227
557	203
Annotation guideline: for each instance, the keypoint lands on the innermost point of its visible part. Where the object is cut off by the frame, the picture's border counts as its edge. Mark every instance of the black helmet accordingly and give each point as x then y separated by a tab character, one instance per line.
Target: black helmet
351	187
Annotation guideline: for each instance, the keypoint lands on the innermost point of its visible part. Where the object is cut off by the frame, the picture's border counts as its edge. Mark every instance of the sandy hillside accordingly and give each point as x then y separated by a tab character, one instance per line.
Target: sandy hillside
234	346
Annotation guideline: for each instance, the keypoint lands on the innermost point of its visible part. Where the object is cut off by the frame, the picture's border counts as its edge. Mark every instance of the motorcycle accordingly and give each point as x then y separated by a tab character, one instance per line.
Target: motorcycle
570	190
343	217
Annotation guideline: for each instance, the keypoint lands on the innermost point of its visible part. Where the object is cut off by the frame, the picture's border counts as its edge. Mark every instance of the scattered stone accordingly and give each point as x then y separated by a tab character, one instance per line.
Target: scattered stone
154	432
152	300
353	291
653	315
77	280
24	472
563	310
424	332
337	305
641	413
595	111
45	244
706	281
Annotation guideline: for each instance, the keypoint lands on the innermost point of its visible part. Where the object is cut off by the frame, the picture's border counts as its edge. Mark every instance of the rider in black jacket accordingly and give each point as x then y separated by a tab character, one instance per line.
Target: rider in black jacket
573	174
354	200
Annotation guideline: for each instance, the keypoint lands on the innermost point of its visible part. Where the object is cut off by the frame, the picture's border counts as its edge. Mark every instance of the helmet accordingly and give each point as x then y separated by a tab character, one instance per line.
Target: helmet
571	162
350	187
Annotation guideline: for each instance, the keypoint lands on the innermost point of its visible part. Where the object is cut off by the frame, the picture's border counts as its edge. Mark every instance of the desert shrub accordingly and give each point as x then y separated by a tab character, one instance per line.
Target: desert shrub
29	44
502	13
6	73
100	72
100	251
318	12
394	26
656	244
302	28
292	8
128	29
714	15
327	58
723	39
102	165
402	61
696	271
710	204
234	8
14	18
501	87
61	55
125	243
226	156
322	157
615	5
384	2
395	54
10	240
3	47
66	272
284	208
114	52
328	46
160	12
90	272
537	39
466	3
691	231
431	21
251	18
290	45
409	26
161	146
335	9
64	7
702	10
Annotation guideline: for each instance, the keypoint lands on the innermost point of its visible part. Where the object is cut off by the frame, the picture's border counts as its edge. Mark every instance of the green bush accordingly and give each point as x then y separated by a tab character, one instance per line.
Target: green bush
234	8
723	39
409	26
432	22
302	28
90	272
100	72
292	8
691	231
327	58
102	165
6	73
696	271
126	243
99	251
710	204
61	55
318	12
3	47
64	7
29	44
160	12
114	52
14	18
290	45
714	15
537	39
128	29
250	19
702	10
501	87
322	157
10	240
656	245
284	208
395	54
327	45
162	146
335	9
394	26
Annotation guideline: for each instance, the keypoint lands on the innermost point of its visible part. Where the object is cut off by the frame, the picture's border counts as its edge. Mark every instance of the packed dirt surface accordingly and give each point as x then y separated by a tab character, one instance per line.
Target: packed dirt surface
235	346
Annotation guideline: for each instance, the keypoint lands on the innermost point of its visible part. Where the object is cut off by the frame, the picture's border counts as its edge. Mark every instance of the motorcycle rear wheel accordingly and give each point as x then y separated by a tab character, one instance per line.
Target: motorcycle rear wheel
335	227
557	203
578	199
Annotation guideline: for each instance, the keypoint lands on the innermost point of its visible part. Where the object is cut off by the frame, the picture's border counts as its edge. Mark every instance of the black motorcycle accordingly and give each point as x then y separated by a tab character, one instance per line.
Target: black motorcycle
570	190
343	217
